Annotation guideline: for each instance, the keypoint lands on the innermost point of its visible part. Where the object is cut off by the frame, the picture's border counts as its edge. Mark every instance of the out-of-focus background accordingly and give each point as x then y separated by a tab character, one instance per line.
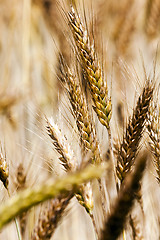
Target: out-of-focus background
32	33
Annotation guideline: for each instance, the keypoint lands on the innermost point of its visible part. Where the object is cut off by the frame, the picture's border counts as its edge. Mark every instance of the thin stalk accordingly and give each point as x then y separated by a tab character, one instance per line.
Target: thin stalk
112	154
16	222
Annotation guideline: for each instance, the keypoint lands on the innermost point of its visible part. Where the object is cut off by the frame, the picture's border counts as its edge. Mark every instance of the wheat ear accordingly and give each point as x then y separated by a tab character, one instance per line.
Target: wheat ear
50	219
69	163
92	73
80	111
84	124
30	197
116	221
61	145
128	148
91	66
153	127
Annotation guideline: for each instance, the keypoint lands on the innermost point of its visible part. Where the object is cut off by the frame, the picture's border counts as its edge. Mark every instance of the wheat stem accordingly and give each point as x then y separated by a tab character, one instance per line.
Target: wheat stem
30	197
16	222
116	221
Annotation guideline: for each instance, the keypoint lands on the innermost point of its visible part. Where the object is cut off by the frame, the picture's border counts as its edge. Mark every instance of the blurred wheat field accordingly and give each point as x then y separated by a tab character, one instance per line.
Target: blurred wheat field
79	87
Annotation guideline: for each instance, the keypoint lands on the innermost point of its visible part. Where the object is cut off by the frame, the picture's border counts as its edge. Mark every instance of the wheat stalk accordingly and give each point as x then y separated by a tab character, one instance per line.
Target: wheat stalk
116	221
30	197
84	124
80	112
91	66
84	196
92	74
69	163
128	148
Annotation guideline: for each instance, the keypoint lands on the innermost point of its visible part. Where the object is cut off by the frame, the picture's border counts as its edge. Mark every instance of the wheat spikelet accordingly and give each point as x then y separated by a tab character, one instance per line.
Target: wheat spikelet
116	221
91	66
50	219
154	134
61	146
128	148
152	17
3	170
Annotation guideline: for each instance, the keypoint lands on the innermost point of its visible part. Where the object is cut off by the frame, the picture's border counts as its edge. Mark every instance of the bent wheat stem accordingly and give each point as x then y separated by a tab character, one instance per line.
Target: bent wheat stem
30	197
